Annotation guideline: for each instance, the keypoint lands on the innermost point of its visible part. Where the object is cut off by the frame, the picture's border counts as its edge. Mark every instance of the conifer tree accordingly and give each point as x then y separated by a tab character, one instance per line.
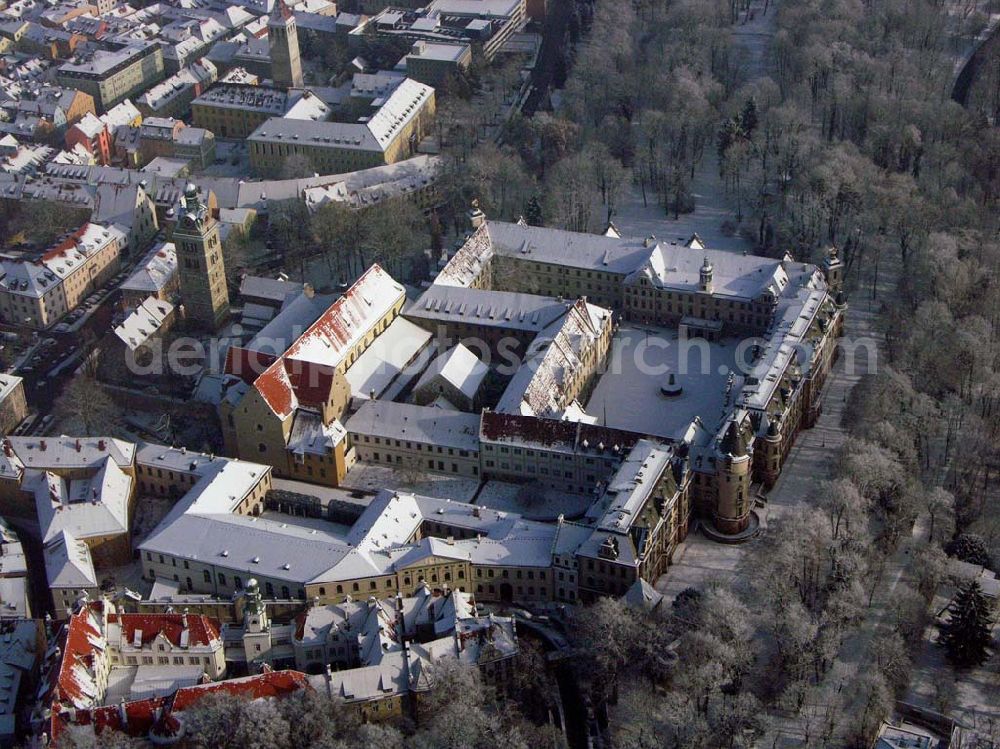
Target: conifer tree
966	635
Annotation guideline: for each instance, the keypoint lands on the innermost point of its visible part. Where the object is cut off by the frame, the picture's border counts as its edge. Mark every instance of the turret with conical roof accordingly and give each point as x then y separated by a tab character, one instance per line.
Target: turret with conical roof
733	464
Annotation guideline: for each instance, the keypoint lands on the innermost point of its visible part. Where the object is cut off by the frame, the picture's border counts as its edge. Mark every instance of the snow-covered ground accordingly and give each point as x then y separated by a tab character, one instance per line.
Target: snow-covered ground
628	395
546	505
712	210
149	511
713	206
372	477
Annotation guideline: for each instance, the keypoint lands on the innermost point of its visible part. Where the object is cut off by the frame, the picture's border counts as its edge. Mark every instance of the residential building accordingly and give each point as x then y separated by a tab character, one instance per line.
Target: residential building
90	133
22	651
112	76
15	588
82	493
173	97
157	135
386	131
150	319
13	404
38	293
155	275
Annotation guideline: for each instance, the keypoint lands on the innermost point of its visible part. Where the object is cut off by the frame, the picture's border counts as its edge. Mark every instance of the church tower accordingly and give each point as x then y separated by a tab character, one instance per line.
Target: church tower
283	40
200	264
256	628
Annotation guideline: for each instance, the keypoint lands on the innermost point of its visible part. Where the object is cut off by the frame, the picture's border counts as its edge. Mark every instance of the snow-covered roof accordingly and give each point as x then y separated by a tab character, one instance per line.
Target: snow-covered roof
144	323
324	346
68	256
641	595
541	385
155	271
482	307
636	479
388	356
8	384
459	367
424	424
273	290
69	452
395	111
93	507
310	435
68	563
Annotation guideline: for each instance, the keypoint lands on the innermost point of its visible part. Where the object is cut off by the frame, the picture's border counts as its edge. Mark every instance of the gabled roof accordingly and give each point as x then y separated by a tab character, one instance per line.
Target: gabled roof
261	686
459	367
68	563
181	630
75	681
304	372
539	387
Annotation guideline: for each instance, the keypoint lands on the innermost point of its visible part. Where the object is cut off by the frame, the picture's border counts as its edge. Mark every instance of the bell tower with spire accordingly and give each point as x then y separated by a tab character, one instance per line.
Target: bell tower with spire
200	265
283	40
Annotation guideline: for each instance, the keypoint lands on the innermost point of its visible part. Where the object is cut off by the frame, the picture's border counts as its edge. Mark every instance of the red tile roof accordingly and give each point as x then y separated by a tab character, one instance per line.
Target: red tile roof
247	364
202	630
270	684
83	643
294	377
156	715
551	432
68	243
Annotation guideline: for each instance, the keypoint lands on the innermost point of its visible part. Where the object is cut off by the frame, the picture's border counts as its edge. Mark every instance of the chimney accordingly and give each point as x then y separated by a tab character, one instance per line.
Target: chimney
42	445
78	447
101	444
123	713
308	290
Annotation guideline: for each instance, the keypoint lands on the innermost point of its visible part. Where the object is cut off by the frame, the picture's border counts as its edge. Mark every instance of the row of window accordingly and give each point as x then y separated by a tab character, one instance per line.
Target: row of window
420	446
